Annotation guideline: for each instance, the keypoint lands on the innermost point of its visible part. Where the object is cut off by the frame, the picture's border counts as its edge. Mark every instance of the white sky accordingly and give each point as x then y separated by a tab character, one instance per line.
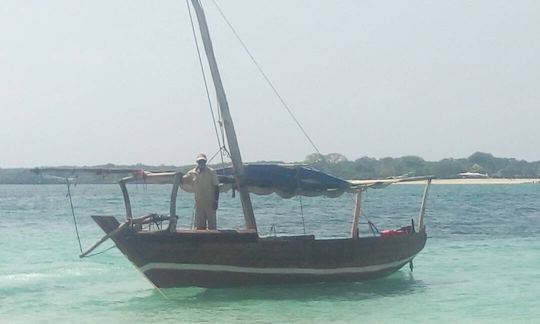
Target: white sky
92	82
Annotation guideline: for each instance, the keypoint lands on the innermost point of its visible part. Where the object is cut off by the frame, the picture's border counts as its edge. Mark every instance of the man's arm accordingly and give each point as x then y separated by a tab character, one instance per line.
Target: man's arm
215	182
188	177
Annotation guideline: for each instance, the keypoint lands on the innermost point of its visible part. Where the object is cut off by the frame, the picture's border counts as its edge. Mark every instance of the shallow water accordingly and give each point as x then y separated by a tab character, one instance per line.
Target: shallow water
481	262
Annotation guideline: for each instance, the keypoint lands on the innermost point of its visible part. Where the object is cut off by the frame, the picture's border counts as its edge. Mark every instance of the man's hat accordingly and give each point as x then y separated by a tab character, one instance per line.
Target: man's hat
201	157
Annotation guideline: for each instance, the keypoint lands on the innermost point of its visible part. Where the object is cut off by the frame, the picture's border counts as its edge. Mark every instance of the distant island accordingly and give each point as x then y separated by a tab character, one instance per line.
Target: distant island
480	163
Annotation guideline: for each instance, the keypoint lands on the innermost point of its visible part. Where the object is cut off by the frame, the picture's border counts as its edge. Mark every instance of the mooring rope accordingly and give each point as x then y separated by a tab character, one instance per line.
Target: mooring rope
73	213
76	225
100	252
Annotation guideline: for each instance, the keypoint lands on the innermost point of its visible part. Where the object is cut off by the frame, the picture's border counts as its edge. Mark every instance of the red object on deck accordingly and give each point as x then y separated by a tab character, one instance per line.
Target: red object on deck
393	232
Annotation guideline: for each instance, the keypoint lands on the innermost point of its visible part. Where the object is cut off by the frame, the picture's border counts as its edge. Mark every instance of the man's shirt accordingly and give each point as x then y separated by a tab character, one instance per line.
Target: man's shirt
204	183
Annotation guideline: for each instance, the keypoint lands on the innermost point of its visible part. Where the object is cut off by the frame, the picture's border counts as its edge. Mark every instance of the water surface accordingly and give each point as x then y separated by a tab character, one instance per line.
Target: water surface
481	262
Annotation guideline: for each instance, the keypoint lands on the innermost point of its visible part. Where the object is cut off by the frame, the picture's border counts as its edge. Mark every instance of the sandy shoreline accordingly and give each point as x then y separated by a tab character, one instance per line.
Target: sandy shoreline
488	181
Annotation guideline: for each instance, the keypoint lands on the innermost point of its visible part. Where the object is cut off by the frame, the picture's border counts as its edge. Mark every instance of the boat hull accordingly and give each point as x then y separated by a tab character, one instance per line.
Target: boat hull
236	258
200	275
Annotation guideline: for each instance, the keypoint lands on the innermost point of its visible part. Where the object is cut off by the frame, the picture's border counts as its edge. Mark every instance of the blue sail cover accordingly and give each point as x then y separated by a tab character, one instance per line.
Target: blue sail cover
287	180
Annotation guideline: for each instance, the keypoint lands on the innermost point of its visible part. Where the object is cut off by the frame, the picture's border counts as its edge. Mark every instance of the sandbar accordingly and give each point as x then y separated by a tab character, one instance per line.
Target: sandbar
487	181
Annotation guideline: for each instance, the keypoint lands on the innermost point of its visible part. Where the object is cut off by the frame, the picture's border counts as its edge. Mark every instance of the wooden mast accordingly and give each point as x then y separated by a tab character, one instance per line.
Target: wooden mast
227	120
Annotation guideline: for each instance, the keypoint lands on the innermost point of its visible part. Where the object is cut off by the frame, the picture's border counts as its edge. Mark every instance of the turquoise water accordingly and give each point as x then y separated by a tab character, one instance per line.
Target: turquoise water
481	262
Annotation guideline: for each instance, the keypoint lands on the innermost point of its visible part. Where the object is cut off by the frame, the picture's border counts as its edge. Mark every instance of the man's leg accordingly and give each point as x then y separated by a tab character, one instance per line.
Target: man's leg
211	216
200	218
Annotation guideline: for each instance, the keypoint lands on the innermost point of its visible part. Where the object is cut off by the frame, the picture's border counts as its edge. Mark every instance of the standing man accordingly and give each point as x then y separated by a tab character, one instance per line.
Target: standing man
205	183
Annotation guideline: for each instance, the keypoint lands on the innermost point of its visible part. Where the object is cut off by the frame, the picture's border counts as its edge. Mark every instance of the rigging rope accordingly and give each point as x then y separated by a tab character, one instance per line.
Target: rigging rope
372	227
266	78
300	200
302	212
220	151
206	88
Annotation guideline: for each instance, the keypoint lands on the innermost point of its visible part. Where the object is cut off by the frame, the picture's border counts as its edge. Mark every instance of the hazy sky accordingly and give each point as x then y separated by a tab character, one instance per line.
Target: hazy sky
91	82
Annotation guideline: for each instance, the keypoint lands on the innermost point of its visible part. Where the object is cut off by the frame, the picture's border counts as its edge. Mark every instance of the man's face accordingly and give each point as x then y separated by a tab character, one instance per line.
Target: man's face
201	164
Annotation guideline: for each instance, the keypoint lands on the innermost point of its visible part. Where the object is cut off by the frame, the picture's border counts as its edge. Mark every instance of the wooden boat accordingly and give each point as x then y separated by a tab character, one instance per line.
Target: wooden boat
225	258
236	258
169	257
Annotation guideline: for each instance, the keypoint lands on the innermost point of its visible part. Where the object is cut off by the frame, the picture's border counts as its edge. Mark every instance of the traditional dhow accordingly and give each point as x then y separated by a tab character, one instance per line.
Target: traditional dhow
225	258
238	258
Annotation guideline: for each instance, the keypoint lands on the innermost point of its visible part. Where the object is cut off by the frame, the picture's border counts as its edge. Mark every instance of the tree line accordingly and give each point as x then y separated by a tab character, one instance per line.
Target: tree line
449	168
338	165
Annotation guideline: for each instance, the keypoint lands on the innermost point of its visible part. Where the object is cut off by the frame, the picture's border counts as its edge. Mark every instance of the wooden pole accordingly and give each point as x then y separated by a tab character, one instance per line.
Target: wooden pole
356	219
227	119
104	238
127	203
423	207
172	209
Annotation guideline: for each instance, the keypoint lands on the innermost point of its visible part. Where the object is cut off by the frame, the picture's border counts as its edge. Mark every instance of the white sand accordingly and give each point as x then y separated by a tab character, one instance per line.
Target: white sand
479	181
